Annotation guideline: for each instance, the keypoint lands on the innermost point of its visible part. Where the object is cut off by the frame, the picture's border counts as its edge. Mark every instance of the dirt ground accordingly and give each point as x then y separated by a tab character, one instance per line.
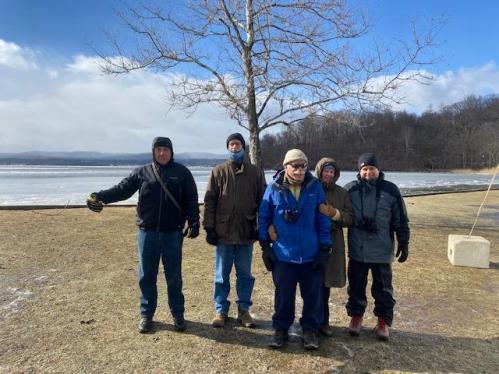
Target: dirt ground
69	302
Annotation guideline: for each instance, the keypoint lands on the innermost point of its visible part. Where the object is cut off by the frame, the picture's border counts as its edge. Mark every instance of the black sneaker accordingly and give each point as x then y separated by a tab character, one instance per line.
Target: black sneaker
278	339
310	340
145	325
179	324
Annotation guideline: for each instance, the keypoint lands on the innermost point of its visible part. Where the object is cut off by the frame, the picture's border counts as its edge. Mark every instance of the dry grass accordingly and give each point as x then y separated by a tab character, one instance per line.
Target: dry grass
69	302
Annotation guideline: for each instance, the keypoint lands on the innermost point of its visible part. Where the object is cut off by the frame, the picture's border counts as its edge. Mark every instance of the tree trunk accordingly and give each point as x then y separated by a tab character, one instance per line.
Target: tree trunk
255	150
254	130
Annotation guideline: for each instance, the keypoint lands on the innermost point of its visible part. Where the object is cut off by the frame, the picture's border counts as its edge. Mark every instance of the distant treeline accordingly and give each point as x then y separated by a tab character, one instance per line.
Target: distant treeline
461	135
98	162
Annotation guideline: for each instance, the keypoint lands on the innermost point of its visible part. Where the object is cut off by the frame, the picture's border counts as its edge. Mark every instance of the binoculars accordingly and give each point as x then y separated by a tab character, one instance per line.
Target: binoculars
368	224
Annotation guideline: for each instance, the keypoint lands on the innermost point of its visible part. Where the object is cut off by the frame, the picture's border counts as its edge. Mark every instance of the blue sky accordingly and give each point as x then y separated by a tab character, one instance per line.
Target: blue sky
49	90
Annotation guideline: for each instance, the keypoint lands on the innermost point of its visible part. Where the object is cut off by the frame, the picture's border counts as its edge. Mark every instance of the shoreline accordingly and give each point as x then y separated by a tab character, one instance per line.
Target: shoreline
406	192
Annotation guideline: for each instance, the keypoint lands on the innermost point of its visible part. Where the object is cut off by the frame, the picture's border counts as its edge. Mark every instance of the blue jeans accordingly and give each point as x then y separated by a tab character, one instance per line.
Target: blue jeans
287	276
167	246
225	256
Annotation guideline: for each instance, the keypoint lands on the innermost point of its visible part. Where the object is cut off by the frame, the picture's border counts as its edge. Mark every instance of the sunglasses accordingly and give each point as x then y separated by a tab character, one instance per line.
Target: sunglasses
298	166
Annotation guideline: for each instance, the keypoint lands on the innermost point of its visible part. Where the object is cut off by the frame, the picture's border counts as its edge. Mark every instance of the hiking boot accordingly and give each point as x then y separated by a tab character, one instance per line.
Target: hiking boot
219	320
355	325
145	325
245	319
278	339
310	340
326	330
381	330
179	324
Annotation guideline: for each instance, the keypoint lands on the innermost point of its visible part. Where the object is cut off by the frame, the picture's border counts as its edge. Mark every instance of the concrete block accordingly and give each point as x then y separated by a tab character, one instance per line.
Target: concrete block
472	251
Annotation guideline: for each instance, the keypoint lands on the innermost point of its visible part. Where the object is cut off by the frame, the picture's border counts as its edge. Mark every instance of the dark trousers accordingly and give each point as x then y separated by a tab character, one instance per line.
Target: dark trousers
326	292
381	289
286	277
154	246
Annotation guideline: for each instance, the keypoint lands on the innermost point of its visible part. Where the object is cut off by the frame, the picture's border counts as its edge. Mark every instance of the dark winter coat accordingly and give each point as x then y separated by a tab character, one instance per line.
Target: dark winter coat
296	242
231	202
382	204
155	210
337	197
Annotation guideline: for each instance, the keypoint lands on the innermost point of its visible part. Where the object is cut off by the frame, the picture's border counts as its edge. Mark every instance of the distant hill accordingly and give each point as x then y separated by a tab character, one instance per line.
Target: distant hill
102	159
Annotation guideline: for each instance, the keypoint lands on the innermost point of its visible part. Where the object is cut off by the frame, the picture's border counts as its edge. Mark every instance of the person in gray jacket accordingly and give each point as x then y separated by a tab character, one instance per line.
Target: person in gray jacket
379	215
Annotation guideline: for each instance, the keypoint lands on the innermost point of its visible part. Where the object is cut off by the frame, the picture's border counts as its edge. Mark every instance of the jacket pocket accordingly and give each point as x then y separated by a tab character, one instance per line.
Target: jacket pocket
222	225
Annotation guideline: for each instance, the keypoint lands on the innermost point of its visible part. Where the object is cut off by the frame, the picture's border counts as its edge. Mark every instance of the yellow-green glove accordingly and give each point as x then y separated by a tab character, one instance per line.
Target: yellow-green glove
94	204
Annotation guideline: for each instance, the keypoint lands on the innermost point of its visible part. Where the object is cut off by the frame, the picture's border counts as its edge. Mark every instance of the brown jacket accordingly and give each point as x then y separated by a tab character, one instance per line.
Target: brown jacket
231	201
337	197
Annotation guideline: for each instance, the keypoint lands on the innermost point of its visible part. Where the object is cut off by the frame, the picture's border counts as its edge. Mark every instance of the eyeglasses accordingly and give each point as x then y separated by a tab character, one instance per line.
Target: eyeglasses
298	166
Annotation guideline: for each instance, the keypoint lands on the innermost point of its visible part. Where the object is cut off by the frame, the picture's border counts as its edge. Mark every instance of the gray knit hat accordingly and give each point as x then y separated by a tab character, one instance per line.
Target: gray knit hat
294	155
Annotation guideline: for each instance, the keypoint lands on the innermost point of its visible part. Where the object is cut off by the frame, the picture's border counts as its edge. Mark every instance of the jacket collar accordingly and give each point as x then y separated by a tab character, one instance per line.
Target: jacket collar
280	183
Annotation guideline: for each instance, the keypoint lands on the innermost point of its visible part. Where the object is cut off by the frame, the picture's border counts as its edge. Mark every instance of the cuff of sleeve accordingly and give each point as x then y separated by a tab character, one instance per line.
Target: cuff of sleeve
337	216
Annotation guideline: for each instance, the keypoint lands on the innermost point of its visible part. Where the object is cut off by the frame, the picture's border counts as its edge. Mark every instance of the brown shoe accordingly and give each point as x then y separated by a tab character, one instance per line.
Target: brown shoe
381	330
245	319
219	320
355	326
326	330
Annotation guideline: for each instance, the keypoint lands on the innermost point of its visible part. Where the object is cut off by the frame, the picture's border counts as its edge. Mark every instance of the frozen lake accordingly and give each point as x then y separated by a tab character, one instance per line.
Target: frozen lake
61	185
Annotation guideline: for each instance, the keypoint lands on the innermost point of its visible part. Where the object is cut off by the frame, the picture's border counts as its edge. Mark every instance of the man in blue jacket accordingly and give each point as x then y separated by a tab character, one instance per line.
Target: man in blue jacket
301	249
379	215
167	198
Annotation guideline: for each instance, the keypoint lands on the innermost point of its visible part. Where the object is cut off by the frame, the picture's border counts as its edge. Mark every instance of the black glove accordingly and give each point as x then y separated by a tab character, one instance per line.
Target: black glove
402	252
211	236
321	258
192	231
93	203
268	256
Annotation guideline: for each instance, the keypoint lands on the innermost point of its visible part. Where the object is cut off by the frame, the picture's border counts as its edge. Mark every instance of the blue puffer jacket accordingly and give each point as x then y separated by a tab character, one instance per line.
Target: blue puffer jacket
382	204
296	242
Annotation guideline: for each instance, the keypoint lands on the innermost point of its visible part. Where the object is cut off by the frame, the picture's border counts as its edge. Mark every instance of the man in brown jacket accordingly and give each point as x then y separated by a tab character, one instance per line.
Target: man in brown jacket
233	194
340	210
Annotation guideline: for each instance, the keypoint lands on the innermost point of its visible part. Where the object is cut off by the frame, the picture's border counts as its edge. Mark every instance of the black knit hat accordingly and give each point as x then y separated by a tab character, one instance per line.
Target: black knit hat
235	136
161	141
367	159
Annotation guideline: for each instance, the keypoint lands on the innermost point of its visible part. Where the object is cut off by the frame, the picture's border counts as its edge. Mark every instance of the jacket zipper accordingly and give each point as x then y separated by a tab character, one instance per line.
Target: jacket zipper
160	206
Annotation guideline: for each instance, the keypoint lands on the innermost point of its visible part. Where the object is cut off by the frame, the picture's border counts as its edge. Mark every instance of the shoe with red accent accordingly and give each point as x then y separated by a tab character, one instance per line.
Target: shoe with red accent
355	325
381	330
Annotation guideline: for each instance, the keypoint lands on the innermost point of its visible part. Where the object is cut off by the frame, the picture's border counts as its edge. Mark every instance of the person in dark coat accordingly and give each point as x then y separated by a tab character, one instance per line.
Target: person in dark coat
162	211
300	249
339	209
233	194
379	216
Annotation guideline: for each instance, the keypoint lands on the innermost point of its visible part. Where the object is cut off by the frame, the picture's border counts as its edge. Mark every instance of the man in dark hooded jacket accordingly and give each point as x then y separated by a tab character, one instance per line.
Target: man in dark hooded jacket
167	198
379	213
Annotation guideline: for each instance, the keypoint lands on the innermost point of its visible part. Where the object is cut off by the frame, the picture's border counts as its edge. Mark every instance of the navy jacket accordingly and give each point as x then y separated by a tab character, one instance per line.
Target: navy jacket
155	210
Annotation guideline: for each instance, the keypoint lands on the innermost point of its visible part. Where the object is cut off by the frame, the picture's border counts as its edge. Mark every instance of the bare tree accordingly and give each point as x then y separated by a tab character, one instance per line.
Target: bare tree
267	62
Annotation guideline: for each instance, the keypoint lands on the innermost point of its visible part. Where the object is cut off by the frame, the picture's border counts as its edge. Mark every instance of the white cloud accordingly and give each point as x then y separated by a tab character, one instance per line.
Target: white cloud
13	56
77	107
449	87
84	109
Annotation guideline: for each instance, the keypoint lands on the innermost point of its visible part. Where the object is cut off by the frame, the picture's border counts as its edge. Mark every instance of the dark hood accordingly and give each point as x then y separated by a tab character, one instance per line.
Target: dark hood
161	141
